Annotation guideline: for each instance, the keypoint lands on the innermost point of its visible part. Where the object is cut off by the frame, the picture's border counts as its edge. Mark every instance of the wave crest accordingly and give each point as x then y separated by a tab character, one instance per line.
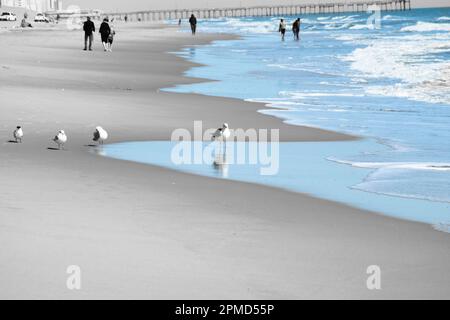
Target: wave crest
427	27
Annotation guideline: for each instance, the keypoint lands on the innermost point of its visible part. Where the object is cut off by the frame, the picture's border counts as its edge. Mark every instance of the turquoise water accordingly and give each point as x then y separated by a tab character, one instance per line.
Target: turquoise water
390	85
302	167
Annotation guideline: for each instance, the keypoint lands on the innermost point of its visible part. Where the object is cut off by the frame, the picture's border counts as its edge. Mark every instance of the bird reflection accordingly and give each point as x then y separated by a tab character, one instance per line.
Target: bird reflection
221	163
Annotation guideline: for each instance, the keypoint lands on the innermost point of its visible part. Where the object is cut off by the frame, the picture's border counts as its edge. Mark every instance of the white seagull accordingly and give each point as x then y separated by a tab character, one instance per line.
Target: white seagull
60	139
18	134
100	135
222	133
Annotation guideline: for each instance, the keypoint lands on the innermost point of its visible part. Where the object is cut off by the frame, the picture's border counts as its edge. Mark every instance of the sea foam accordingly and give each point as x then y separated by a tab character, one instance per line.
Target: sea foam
427	27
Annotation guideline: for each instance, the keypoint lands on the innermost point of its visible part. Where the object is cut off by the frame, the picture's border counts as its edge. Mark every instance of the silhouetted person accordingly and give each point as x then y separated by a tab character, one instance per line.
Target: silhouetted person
89	29
282	29
126	18
193	22
296	29
105	31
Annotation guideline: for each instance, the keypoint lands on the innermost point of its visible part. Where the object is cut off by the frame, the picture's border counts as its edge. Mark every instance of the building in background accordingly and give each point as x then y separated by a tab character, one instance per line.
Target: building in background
34	5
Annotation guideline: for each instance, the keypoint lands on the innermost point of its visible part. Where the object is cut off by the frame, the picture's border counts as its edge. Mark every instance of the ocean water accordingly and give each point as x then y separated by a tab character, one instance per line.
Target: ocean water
391	83
297	166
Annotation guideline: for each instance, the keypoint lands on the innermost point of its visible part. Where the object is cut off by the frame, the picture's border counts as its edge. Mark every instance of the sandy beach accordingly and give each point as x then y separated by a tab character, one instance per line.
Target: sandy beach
145	232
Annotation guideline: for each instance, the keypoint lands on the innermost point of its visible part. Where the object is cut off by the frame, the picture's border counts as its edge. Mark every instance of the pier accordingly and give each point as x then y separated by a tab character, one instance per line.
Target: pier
263	11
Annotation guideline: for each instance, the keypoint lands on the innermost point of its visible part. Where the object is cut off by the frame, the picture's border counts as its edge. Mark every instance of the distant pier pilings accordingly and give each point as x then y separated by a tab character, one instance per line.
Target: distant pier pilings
263	11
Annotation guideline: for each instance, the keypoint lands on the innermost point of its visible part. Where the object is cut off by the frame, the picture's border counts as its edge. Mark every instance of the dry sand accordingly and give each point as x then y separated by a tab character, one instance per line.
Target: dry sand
143	232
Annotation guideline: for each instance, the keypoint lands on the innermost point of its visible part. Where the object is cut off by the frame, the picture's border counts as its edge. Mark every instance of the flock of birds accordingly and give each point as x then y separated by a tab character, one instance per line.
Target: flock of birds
100	136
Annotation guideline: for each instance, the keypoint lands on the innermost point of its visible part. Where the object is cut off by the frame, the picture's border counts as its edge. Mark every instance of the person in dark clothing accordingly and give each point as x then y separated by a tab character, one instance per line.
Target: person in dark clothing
89	29
193	22
282	28
296	29
105	31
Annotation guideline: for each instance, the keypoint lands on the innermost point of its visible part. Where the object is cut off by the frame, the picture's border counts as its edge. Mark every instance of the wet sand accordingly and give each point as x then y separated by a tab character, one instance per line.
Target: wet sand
145	232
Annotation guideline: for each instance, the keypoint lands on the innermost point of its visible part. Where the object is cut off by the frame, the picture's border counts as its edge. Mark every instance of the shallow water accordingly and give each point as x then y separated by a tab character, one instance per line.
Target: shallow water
391	83
302	167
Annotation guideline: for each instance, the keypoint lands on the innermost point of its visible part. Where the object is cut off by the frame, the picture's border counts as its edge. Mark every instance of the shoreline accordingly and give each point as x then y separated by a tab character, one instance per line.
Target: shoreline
233	86
435	221
264	109
176	234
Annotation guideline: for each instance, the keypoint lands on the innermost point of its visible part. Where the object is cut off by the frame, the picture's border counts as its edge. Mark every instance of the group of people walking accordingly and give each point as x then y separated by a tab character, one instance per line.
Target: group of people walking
295	29
106	31
296	25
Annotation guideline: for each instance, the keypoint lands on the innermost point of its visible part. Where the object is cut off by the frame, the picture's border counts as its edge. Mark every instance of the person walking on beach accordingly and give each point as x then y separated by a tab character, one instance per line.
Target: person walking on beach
105	31
296	29
282	29
193	22
89	29
111	36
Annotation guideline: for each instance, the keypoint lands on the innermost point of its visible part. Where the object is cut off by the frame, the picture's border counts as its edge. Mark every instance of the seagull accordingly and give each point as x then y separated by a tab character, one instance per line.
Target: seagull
223	133
100	135
18	134
60	139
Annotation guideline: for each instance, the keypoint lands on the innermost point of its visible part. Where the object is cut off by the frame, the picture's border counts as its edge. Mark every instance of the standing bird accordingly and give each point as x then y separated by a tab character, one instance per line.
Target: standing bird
60	139
18	134
222	133
100	135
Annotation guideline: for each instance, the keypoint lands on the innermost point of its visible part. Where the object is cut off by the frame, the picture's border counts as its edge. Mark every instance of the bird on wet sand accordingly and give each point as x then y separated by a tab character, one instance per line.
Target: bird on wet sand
60	139
18	134
100	135
223	133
